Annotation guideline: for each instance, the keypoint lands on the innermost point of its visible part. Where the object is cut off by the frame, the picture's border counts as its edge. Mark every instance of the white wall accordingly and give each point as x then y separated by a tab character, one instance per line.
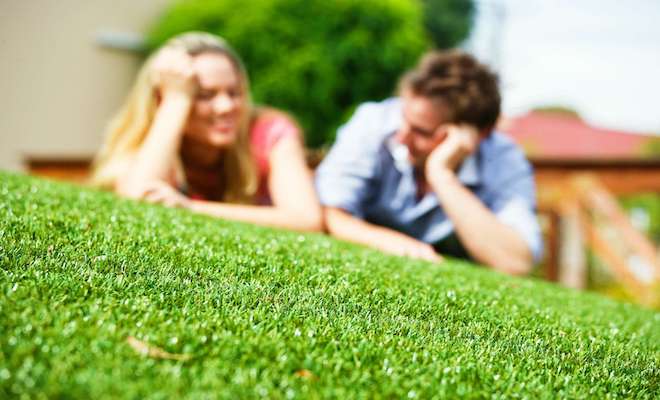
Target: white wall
58	86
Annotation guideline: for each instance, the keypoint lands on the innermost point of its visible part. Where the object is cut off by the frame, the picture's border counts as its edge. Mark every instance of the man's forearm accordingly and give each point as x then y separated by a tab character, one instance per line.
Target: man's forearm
488	240
344	226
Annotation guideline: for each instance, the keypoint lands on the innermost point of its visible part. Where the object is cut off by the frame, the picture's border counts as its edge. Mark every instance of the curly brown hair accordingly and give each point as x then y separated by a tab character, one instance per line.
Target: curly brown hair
468	89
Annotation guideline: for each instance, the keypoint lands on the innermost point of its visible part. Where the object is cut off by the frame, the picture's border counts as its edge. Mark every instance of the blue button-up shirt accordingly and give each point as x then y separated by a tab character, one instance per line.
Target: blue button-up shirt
368	174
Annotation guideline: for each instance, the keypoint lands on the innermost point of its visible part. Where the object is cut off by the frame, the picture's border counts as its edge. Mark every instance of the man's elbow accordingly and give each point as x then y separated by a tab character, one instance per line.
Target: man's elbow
518	265
513	258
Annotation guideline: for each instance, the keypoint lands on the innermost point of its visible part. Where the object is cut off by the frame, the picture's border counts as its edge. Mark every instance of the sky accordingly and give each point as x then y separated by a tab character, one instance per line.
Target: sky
599	57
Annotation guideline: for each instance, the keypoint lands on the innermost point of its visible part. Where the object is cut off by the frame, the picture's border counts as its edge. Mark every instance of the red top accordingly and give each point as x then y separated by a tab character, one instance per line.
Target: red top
265	132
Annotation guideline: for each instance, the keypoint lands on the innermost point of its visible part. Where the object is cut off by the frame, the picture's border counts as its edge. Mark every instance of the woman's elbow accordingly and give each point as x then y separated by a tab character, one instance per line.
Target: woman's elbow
128	190
313	222
132	188
310	221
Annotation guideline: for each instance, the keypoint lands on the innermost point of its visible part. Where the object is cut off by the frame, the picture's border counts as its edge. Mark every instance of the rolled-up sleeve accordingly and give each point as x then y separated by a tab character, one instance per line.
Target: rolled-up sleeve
346	177
514	202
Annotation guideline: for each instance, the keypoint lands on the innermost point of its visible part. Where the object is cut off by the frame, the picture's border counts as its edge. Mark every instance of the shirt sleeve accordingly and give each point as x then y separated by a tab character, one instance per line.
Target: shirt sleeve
514	201
266	133
279	127
347	176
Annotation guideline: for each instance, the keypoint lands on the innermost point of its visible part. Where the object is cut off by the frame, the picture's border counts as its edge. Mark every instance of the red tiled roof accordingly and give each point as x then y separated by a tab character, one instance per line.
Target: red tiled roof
545	135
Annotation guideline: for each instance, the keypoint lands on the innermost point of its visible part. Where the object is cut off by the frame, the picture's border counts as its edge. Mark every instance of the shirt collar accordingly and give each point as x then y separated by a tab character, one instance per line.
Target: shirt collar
468	172
399	154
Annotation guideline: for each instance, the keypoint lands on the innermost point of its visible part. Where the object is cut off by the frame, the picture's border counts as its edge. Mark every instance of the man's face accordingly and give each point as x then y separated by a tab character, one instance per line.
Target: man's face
423	128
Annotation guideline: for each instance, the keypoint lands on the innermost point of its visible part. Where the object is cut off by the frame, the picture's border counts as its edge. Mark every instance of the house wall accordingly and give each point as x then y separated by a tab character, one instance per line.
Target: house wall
59	86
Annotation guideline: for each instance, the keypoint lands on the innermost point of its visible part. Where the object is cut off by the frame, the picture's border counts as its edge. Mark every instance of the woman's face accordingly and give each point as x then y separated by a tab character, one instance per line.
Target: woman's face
219	103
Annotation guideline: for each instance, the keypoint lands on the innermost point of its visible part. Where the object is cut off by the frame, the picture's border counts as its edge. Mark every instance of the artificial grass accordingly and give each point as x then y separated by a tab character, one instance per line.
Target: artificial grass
275	314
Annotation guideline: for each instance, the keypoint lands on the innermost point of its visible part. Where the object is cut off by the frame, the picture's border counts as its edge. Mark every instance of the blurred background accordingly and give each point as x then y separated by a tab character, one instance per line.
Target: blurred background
579	82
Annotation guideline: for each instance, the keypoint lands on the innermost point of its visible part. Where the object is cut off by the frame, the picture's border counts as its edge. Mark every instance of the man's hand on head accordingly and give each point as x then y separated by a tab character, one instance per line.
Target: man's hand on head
457	143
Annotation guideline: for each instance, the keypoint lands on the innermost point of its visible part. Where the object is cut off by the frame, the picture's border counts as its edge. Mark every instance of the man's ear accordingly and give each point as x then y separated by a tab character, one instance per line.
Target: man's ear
440	133
484	133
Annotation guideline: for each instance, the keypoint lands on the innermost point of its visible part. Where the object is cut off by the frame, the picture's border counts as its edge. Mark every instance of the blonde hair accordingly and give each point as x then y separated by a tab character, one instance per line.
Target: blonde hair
128	129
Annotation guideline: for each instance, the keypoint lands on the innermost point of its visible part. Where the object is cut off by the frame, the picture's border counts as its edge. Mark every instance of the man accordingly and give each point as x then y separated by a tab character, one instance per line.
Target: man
424	173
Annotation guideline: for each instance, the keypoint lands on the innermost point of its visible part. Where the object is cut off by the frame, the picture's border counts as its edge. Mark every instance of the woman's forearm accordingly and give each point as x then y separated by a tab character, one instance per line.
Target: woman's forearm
155	158
260	215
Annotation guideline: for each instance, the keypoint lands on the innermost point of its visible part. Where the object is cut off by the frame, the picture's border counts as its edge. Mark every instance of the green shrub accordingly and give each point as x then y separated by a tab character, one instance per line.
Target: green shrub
316	59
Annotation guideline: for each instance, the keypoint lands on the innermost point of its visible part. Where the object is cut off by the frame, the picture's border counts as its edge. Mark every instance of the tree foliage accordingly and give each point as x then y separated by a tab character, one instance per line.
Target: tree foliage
448	21
313	58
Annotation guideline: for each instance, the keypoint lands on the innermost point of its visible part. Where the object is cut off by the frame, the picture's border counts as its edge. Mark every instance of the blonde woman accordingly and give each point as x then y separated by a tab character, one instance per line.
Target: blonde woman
188	136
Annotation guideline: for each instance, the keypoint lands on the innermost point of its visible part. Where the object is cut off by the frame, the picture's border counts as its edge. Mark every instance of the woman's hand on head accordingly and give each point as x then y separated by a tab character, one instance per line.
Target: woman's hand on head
159	192
173	73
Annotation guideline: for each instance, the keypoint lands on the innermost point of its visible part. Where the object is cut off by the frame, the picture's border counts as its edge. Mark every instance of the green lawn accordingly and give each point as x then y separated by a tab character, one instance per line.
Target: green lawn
267	313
